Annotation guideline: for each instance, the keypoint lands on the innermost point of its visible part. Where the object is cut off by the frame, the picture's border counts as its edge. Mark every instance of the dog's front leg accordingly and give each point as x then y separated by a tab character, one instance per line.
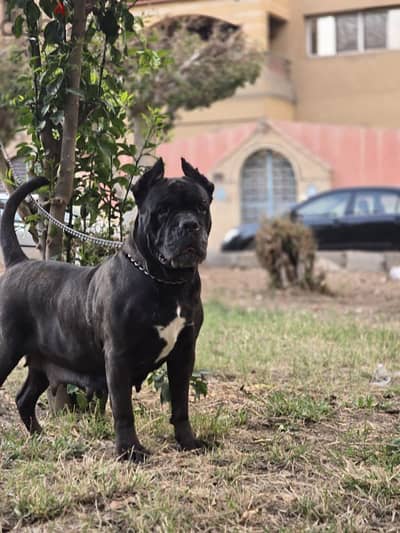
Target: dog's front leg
180	366
120	391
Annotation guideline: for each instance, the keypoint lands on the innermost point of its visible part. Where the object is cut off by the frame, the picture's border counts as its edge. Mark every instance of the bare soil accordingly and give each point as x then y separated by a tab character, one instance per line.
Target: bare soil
368	294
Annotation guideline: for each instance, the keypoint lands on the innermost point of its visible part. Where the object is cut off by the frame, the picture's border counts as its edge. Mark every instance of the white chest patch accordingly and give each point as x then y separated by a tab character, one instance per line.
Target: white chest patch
170	333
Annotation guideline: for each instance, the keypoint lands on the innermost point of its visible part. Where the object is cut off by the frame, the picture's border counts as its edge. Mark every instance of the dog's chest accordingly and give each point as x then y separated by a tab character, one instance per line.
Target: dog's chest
170	333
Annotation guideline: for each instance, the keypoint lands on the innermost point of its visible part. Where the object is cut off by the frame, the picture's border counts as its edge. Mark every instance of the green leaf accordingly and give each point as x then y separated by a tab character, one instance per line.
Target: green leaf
53	88
109	25
47	6
53	32
130	169
32	12
129	20
18	26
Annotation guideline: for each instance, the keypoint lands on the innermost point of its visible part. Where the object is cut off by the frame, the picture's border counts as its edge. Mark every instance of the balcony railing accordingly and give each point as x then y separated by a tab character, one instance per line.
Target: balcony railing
279	81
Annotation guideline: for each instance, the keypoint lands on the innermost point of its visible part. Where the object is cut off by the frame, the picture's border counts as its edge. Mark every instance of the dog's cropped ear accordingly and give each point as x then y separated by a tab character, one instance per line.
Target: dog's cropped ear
194	173
147	180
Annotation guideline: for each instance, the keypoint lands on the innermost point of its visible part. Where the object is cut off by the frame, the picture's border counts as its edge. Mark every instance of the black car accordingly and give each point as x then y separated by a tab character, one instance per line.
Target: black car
357	218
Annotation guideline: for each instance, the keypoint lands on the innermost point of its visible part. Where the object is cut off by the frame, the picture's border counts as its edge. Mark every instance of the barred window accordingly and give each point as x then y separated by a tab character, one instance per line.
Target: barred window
268	186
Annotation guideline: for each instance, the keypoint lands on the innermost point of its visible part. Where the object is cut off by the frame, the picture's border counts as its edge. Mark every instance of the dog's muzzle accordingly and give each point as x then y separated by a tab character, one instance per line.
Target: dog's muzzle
186	243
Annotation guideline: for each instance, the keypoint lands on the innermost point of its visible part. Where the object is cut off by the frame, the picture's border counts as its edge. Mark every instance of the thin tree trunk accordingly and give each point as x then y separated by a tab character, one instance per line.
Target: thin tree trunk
64	185
65	182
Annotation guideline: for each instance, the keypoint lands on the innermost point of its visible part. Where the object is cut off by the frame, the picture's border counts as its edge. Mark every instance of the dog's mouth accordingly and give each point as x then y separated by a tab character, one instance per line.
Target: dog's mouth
188	257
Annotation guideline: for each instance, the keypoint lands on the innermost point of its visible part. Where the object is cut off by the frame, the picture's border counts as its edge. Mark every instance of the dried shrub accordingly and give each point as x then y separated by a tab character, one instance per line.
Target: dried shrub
287	251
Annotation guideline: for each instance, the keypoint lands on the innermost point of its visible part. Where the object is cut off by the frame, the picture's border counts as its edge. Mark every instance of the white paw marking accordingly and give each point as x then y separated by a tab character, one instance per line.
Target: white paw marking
170	334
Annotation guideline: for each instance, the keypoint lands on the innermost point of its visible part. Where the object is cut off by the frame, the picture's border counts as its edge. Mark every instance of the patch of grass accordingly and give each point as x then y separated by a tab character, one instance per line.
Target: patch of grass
41	489
373	482
300	440
214	426
300	347
301	407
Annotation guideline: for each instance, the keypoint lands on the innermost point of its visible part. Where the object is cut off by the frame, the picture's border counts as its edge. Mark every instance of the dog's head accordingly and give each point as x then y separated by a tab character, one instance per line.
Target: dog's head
174	215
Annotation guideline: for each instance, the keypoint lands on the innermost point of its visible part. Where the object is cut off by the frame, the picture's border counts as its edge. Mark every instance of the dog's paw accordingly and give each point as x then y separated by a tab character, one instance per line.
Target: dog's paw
136	453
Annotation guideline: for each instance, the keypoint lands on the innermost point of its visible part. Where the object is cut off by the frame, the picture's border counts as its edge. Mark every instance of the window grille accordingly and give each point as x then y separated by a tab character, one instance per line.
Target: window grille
268	186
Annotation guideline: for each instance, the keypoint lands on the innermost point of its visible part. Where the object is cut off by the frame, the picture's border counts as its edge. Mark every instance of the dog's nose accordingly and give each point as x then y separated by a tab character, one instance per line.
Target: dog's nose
190	225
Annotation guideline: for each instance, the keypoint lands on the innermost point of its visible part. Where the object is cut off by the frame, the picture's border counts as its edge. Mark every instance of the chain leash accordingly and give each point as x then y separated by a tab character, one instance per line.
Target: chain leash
78	234
66	229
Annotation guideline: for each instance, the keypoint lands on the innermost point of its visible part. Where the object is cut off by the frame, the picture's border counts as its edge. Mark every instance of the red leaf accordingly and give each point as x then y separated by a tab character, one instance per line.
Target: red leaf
59	9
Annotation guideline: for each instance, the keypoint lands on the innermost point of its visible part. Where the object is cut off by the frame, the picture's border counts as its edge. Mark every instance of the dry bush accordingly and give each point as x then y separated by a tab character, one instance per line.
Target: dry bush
287	250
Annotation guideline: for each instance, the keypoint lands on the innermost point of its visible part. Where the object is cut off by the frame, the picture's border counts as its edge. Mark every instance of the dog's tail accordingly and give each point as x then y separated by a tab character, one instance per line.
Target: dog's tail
12	252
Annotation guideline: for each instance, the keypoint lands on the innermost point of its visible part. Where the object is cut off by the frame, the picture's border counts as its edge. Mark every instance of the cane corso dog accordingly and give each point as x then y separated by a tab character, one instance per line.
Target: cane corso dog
104	328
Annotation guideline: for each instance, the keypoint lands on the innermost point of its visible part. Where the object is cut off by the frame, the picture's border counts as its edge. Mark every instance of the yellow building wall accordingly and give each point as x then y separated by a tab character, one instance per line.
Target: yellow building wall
355	88
249	14
249	103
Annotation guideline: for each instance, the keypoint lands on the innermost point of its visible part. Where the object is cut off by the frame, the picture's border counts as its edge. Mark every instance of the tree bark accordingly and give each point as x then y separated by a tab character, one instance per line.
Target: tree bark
65	182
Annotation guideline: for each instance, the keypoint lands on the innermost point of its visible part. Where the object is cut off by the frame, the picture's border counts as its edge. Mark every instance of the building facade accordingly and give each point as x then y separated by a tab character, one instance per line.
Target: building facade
325	111
330	61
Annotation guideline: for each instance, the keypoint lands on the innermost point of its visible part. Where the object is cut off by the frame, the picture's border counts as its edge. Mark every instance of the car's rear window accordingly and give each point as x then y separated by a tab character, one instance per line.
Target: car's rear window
376	203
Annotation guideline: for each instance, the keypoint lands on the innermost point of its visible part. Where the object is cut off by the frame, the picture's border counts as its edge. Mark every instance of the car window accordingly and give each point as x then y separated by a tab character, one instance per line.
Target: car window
390	202
333	205
363	204
371	203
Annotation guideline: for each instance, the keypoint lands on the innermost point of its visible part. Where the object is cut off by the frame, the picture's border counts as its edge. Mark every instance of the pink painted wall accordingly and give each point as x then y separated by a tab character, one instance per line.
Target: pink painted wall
357	156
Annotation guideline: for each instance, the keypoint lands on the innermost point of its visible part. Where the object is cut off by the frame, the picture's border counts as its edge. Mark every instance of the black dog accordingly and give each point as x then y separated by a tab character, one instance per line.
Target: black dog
109	326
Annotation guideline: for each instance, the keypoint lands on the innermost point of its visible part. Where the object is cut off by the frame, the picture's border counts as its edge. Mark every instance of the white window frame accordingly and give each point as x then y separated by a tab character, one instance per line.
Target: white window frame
360	35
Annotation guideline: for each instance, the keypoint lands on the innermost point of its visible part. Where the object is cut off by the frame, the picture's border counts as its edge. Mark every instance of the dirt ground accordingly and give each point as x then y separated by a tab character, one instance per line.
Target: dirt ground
368	294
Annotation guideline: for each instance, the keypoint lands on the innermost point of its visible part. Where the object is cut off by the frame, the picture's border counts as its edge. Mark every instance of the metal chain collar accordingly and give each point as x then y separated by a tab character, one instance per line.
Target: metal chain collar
140	267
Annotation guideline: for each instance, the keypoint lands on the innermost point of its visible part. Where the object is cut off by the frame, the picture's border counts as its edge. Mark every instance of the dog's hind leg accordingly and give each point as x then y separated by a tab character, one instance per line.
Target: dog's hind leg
35	384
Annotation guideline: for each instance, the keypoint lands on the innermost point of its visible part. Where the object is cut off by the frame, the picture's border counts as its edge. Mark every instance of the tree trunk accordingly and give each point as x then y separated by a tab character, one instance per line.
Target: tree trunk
64	185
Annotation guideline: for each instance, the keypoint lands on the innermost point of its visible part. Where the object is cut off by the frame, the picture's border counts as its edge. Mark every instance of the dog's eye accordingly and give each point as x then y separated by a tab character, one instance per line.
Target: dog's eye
202	210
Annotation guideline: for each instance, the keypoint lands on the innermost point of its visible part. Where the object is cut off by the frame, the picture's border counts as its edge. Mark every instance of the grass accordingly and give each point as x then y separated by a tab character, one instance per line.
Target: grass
299	440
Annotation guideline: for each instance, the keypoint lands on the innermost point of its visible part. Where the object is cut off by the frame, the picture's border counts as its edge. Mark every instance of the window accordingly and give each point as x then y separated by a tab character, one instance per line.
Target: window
333	204
375	23
346	33
376	203
357	31
268	186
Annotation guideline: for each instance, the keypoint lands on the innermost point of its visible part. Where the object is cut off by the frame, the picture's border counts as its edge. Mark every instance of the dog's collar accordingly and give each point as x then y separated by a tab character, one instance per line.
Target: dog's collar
140	267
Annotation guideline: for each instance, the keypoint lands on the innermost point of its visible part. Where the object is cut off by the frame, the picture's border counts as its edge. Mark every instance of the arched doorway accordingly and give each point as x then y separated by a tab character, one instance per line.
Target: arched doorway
268	186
